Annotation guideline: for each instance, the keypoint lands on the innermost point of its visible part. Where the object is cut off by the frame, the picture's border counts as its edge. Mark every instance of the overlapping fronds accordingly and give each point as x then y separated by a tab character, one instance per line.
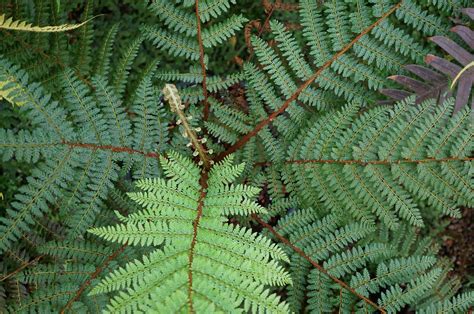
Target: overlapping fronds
348	191
77	147
75	264
328	28
180	38
397	268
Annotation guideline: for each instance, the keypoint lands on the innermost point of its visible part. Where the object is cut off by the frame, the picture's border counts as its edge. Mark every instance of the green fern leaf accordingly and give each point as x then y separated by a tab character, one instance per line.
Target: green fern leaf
229	265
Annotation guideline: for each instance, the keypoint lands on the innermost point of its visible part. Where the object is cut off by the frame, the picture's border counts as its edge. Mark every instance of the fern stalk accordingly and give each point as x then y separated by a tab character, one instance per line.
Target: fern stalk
176	105
94	275
202	195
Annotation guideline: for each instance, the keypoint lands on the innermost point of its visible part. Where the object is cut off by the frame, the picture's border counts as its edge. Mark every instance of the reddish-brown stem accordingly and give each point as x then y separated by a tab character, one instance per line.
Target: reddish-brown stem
308	82
94	275
21	268
203	183
316	265
116	149
368	162
203	64
120	149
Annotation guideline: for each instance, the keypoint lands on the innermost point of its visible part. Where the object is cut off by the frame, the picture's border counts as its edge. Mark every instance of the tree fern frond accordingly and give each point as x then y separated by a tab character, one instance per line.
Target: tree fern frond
84	109
412	14
32	201
193	76
339	30
213	8
369	267
103	173
77	250
48	274
314	31
398	38
83	55
319	199
376	174
175	18
230	259
26	146
34	101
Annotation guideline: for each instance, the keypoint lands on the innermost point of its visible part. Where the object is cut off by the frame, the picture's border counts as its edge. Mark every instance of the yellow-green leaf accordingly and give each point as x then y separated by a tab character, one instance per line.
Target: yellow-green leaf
10	24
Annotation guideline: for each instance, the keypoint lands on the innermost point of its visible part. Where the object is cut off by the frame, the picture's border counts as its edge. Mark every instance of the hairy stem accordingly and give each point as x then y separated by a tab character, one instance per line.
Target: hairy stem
172	96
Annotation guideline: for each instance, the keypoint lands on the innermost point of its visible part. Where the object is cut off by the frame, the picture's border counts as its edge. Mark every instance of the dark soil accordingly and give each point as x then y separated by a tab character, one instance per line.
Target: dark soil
458	244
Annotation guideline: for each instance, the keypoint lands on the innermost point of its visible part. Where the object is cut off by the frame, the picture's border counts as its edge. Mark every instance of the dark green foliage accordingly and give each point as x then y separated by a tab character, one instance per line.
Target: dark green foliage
384	171
114	201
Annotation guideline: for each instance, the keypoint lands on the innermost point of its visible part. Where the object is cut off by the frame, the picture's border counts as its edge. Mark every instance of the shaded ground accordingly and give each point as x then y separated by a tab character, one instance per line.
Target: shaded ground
458	245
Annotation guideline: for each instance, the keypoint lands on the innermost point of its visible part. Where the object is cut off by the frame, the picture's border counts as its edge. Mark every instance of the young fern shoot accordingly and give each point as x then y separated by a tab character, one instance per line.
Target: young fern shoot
171	95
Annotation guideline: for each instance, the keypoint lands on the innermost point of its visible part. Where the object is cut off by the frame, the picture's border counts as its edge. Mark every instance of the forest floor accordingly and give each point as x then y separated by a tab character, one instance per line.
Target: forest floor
458	245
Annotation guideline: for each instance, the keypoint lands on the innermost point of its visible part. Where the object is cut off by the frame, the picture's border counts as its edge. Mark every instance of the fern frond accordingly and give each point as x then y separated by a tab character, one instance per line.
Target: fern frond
429	24
122	68
395	298
84	108
389	167
83	55
34	101
27	146
339	29
48	274
102	64
150	131
230	265
117	123
395	37
77	250
213	8
176	45
10	24
103	173
369	267
193	76
174	17
220	32
44	300
314	32
459	303
385	58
